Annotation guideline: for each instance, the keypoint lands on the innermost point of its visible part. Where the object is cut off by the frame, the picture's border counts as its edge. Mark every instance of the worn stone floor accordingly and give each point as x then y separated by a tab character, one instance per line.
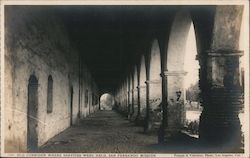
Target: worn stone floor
109	132
103	131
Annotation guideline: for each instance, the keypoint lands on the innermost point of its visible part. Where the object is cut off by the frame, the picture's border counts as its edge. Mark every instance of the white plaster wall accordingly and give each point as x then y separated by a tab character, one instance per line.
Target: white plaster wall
37	44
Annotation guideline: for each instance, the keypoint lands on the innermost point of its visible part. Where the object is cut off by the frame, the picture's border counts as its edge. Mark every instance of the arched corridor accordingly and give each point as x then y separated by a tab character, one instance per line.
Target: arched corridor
125	79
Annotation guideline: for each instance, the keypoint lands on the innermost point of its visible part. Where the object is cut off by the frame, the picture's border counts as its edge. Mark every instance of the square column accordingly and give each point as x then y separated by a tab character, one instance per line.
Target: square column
222	98
141	114
128	105
154	106
175	96
135	105
131	113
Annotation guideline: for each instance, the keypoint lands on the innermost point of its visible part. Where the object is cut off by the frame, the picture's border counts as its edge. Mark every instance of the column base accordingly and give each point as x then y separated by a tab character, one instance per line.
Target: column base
219	121
175	119
139	120
153	123
220	130
134	115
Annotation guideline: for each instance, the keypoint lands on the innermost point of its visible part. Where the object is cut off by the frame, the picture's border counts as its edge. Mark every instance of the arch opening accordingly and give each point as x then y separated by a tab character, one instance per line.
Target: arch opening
154	84
128	97
107	101
142	88
183	76
135	93
131	96
192	100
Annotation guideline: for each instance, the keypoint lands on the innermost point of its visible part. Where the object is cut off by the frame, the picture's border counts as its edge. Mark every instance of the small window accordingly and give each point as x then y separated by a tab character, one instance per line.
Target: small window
50	95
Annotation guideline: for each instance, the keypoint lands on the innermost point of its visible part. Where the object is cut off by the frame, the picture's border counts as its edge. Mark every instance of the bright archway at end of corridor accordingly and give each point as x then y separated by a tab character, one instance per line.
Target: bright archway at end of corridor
107	101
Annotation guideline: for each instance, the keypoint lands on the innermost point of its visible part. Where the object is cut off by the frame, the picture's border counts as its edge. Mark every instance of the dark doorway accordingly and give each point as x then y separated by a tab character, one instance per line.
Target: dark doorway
32	137
50	95
71	105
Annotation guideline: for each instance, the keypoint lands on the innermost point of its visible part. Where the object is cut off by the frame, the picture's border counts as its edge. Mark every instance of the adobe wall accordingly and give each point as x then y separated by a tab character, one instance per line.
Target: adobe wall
37	43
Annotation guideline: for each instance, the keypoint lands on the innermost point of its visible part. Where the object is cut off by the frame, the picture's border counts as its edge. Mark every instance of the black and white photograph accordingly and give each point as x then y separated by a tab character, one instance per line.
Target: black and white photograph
124	78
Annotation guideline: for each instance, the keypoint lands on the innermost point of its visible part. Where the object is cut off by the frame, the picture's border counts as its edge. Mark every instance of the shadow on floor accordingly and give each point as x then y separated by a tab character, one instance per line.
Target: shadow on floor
109	132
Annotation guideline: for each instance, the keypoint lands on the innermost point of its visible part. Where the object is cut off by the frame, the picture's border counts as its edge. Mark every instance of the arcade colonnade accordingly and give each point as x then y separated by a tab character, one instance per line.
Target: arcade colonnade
152	94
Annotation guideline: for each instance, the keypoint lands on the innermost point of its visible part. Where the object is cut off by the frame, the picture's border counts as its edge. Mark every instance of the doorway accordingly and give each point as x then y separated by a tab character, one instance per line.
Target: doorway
107	102
32	123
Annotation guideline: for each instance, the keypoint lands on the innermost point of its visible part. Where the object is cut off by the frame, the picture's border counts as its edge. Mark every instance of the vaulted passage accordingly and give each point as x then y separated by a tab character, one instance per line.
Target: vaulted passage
125	79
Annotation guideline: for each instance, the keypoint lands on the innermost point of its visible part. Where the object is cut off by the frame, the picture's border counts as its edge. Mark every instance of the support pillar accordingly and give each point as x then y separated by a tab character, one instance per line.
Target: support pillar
138	112
135	105
153	104
132	105
222	98
141	117
175	111
147	118
129	105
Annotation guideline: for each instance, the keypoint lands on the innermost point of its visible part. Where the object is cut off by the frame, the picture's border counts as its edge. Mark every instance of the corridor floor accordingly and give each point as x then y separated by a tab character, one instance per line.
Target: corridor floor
103	131
109	132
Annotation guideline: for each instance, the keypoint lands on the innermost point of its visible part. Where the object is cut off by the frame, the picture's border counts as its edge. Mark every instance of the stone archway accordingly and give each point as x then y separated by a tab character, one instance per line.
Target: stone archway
154	89
135	93
131	94
129	97
107	101
142	90
175	73
218	54
32	120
